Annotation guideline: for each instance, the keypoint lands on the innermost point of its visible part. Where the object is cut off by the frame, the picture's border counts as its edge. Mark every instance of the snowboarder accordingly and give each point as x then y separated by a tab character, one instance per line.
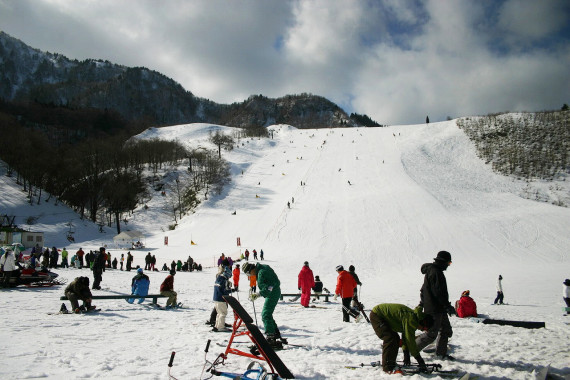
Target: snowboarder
345	285
235	273
500	294
389	319
318	288
77	290
269	288
139	285
167	289
465	306
566	293
351	270
222	287
305	282
98	264
435	301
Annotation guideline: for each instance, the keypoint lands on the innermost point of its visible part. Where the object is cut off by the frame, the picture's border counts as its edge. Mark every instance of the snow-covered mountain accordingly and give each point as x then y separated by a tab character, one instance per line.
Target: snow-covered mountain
384	199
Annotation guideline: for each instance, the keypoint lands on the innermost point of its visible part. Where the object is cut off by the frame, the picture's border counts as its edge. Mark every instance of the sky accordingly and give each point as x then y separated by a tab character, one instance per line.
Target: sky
396	61
414	190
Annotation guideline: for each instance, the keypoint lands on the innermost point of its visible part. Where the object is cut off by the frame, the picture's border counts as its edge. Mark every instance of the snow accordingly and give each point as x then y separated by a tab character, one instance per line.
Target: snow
414	190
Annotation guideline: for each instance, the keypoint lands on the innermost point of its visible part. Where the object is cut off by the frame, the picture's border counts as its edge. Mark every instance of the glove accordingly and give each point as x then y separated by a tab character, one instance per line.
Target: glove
407	360
253	296
335	297
299	288
421	364
451	310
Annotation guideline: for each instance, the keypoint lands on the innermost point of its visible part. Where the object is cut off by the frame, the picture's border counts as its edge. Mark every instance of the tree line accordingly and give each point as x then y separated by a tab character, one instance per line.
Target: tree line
99	174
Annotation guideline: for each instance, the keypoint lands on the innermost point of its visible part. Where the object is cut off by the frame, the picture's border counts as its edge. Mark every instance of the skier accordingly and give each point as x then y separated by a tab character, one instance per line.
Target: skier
167	289
235	273
389	319
566	293
500	294
435	301
98	264
318	288
345	285
465	306
222	287
269	288
139	285
77	290
351	270
305	282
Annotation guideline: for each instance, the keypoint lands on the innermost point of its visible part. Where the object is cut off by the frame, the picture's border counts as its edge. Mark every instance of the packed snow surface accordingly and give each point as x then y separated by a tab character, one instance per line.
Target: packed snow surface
385	200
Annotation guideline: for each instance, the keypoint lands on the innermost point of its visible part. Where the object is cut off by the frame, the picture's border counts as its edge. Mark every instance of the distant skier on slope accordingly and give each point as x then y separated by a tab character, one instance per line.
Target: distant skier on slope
305	281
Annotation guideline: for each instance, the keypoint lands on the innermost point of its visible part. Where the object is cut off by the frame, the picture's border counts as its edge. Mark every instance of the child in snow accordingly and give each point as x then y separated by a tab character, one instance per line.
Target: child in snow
318	288
466	306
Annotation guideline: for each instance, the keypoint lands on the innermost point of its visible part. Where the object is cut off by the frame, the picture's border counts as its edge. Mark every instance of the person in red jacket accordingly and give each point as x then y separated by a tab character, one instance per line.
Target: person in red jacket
167	289
465	306
345	285
305	282
235	274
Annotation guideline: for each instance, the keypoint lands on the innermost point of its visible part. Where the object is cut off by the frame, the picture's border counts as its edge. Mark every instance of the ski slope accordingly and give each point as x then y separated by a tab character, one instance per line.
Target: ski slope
384	199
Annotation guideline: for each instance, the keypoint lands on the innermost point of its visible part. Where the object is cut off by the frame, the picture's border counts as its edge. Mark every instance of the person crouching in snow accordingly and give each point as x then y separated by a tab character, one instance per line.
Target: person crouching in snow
305	283
389	319
465	306
167	289
77	290
222	287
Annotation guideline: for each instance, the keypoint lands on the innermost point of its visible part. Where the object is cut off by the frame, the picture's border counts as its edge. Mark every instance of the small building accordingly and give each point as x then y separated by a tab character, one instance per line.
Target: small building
28	239
129	240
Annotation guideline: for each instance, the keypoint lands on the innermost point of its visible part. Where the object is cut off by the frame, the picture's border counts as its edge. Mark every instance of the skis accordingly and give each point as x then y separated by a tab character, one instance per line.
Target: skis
295	298
410	370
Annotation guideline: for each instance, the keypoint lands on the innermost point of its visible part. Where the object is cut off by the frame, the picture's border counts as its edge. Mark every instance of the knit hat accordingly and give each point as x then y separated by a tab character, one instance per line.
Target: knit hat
140	270
306	263
567	282
317	278
339	268
465	293
443	256
351	268
247	267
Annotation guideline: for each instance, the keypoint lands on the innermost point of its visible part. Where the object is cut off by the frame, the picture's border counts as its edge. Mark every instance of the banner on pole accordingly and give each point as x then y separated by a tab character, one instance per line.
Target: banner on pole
238	242
166	240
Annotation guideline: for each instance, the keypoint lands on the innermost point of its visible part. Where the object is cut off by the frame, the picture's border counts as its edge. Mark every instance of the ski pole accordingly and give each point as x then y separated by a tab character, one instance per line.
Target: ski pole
254	312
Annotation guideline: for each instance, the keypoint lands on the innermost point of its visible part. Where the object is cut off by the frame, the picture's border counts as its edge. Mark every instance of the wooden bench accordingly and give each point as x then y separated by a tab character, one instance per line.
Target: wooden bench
325	295
154	297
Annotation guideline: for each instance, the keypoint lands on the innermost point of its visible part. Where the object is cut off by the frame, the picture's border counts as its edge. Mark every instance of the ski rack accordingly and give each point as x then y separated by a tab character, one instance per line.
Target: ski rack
266	352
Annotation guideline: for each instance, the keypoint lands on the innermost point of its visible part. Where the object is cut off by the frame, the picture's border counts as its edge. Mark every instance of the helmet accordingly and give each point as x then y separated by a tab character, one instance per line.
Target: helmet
443	256
139	270
339	268
247	267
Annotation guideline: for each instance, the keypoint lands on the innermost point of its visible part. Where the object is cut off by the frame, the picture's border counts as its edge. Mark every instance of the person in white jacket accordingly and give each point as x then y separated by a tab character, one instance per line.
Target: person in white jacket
500	295
8	265
566	293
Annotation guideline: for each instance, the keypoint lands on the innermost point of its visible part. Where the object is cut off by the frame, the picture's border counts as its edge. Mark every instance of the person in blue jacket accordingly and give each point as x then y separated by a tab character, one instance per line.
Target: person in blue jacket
222	287
139	286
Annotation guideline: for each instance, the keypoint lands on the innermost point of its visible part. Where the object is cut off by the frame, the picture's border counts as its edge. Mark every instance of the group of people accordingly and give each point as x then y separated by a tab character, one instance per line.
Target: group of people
245	255
187	266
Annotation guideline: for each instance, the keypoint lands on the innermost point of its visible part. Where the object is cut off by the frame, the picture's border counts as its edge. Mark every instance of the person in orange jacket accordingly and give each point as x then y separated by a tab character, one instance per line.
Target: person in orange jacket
235	274
345	285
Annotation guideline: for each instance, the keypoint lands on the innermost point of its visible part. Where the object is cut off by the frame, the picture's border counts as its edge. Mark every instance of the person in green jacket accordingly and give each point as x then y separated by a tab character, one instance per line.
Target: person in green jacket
269	288
389	319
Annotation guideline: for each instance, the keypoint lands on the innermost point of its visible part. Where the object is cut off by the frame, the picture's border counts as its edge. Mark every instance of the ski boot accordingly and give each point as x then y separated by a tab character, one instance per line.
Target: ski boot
274	342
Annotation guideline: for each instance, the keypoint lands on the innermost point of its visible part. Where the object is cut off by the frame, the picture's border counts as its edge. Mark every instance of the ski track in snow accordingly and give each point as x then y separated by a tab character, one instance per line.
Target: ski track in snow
414	190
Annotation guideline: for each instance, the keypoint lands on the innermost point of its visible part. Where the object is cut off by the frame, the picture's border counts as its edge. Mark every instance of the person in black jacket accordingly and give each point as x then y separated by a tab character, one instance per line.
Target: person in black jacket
435	301
98	266
351	270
